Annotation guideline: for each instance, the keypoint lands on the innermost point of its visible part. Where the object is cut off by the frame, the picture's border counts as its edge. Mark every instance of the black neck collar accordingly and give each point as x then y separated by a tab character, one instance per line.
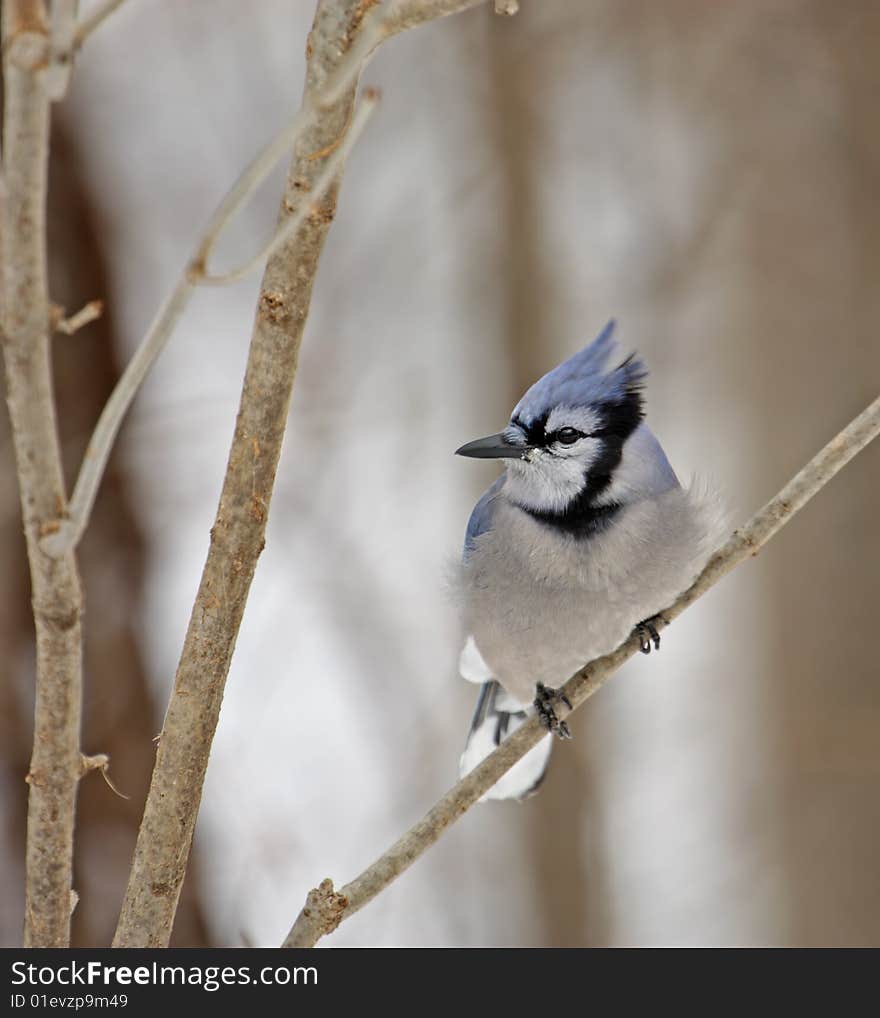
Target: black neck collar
580	518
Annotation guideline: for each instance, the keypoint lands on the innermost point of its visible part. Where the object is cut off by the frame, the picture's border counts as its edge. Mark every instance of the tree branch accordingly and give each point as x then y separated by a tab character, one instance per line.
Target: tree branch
94	20
61	33
68	532
326	908
57	600
237	536
371	25
87	314
288	227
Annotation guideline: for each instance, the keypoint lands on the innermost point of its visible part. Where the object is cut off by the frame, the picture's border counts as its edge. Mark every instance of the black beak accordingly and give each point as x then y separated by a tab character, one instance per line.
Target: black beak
492	448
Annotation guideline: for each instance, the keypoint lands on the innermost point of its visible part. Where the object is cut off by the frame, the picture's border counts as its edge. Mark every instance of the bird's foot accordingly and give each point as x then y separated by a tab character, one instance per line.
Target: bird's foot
648	634
545	697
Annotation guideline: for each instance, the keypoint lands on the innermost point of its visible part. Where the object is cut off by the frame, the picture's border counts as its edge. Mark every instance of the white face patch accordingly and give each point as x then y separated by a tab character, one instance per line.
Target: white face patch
549	482
580	418
549	479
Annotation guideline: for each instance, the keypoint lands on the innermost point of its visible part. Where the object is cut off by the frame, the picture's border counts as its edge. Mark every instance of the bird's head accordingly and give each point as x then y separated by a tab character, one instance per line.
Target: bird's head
566	435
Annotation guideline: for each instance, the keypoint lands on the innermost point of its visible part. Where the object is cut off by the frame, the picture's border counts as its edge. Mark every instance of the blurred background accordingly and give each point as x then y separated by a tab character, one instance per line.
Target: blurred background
708	174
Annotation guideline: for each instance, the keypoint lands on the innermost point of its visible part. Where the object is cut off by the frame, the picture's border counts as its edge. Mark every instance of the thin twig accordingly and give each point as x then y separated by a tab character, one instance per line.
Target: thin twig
93	20
238	534
57	601
100	762
326	907
87	314
62	31
69	531
371	25
250	179
289	226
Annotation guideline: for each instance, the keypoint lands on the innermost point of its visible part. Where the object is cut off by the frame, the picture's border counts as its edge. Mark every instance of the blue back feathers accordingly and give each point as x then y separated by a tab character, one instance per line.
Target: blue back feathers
583	380
481	517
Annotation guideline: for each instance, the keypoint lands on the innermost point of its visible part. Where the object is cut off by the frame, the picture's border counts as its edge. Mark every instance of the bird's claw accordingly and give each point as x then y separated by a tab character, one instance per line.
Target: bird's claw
544	699
647	633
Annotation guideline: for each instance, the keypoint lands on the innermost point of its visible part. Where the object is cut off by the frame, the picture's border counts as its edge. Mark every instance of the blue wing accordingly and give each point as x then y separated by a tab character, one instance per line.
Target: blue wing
494	719
481	517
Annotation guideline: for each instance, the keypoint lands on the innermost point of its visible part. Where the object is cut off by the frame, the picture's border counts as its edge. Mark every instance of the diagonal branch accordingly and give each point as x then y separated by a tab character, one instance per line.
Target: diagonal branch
93	20
237	536
57	600
68	531
371	24
326	908
288	227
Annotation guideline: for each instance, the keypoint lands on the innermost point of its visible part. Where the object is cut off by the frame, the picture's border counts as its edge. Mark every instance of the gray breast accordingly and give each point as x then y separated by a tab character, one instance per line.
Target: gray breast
541	604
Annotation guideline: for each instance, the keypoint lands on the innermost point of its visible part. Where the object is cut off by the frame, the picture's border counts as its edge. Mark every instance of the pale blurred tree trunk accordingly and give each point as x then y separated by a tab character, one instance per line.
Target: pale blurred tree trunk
782	243
811	270
566	866
790	265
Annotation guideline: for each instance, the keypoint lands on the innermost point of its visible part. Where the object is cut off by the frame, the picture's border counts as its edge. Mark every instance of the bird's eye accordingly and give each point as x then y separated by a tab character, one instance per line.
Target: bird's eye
568	436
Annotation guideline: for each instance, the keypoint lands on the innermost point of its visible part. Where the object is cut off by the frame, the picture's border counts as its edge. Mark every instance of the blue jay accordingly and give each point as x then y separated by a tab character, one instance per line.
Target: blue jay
585	536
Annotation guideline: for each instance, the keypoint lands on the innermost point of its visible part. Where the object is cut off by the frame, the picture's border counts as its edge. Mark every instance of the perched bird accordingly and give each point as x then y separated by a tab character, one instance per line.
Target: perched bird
585	536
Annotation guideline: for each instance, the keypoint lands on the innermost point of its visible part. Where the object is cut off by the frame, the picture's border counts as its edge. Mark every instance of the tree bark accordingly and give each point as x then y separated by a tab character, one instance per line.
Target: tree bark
237	537
55	587
238	534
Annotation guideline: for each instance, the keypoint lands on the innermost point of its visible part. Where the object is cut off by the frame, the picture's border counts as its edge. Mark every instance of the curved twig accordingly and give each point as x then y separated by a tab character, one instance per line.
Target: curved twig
237	536
289	226
69	531
376	24
92	21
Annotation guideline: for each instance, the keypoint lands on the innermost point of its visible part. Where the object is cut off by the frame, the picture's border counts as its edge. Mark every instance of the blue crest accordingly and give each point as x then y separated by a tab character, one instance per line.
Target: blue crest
583	380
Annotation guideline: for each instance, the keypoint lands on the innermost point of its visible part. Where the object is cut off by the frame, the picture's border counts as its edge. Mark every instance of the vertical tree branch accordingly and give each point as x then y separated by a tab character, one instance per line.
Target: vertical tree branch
568	879
371	25
61	35
237	537
57	601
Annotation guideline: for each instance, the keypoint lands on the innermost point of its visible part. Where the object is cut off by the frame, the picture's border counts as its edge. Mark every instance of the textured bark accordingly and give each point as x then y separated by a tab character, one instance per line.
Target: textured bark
119	715
55	588
237	537
16	699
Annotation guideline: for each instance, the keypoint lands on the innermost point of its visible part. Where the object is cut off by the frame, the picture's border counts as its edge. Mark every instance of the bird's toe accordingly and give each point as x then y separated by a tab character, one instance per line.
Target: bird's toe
545	697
